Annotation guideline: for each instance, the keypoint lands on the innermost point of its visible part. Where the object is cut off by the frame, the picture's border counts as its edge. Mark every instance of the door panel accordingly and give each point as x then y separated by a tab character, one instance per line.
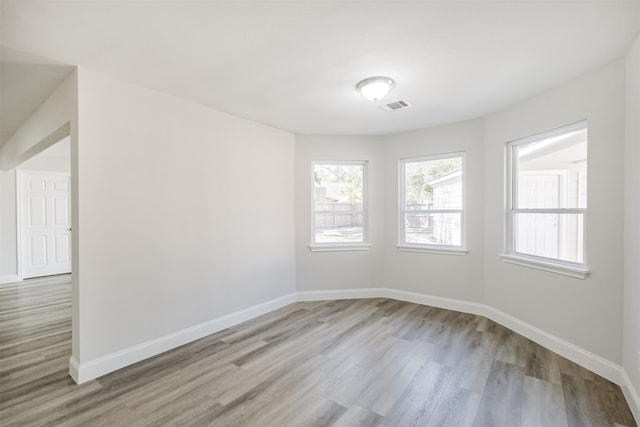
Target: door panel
62	249
38	250
61	211
37	211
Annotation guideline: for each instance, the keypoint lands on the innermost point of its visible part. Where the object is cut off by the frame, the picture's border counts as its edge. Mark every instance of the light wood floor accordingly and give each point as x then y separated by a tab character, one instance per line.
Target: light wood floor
371	362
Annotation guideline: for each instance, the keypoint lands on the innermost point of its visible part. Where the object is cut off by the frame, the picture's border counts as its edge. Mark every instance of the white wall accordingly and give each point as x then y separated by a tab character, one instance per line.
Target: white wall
56	158
450	276
344	269
587	312
631	351
8	235
185	215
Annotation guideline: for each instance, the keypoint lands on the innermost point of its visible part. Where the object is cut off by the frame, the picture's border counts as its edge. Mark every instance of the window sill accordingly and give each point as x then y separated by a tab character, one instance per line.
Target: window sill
433	249
550	266
340	247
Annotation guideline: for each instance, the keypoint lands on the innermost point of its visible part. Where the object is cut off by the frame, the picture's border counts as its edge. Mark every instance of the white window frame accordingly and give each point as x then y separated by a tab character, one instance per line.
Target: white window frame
554	265
342	246
425	247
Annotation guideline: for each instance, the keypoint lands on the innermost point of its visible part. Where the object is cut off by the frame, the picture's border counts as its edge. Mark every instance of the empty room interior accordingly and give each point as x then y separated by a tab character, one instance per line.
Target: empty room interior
320	213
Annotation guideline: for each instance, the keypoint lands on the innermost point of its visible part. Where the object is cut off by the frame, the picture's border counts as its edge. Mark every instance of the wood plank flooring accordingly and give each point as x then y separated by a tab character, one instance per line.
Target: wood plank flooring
370	362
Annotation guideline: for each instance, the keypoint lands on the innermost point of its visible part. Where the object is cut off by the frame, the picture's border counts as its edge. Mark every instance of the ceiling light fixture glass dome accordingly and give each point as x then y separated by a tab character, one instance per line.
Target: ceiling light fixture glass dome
375	88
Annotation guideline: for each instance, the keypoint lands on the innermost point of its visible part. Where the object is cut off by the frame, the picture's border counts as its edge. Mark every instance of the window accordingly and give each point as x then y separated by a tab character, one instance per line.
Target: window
547	200
339	211
432	203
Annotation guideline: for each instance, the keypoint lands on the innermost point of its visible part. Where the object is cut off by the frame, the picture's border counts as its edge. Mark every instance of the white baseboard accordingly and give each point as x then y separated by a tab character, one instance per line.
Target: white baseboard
74	368
448	303
631	394
339	294
83	372
9	278
440	302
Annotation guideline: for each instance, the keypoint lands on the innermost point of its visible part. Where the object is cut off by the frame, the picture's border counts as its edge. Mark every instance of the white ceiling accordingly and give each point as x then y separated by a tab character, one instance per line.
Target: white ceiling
294	64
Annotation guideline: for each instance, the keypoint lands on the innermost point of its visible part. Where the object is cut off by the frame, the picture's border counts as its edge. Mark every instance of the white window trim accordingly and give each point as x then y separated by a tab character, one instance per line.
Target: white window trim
433	249
430	248
576	270
342	246
547	264
337	247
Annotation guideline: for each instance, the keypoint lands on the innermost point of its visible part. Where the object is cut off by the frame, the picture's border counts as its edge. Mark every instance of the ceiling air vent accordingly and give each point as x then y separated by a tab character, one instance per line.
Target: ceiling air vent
397	105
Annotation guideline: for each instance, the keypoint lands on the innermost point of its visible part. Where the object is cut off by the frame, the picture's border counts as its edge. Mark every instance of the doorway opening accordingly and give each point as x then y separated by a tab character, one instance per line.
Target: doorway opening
43	213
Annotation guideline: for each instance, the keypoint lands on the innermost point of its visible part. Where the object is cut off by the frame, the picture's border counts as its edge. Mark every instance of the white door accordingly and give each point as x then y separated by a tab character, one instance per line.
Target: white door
45	223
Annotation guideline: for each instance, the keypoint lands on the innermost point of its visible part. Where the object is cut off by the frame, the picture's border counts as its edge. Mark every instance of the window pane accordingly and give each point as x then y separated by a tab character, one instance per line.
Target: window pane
552	172
339	228
338	203
433	184
433	229
338	183
557	236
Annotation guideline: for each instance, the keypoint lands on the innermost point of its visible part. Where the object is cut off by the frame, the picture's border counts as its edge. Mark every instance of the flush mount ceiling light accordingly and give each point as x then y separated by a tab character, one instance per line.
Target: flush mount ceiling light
375	88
